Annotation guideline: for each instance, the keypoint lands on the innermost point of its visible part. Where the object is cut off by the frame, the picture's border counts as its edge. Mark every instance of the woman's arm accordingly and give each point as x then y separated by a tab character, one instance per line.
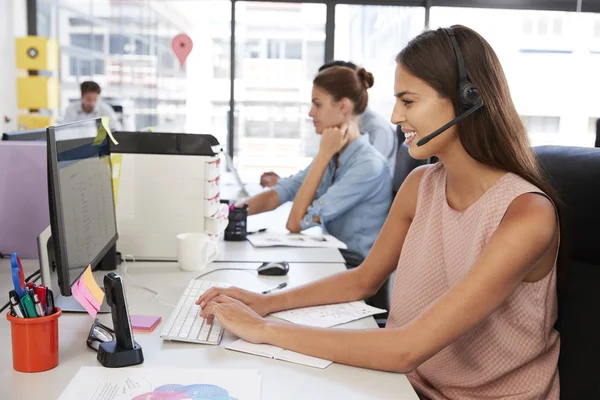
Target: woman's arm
527	234
263	202
332	140
356	284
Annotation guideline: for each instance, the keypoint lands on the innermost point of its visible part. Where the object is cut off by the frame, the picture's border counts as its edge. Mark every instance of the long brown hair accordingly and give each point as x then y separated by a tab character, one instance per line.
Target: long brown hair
494	135
340	82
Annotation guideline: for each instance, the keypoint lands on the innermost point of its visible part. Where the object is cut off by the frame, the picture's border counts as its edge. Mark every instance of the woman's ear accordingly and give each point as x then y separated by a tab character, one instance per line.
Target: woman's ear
346	106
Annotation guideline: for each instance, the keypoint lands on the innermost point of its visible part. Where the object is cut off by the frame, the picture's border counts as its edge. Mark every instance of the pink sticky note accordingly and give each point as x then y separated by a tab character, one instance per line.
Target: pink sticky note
182	47
89	296
144	323
76	290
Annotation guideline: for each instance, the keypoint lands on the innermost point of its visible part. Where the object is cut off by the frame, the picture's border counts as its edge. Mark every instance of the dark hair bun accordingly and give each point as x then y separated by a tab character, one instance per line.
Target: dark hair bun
366	77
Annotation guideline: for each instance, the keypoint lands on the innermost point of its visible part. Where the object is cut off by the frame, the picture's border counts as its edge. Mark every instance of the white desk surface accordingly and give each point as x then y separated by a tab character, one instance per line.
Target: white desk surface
275	221
280	380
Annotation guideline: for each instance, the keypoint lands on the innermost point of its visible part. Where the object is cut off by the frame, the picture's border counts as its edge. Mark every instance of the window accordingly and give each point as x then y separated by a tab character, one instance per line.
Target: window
88	41
273	47
253	49
126	47
533	59
293	49
592	126
221	60
283	45
372	36
545	125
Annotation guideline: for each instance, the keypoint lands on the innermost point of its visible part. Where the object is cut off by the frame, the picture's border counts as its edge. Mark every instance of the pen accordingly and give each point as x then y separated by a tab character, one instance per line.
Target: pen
49	302
41	294
28	307
38	306
258	231
280	286
14	303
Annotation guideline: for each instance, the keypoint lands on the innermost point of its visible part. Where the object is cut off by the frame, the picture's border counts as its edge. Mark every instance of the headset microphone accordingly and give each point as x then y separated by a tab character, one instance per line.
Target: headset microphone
455	121
469	98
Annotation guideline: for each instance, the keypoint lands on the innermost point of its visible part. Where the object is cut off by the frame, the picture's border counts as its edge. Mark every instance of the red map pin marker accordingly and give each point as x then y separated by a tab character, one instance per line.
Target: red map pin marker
182	47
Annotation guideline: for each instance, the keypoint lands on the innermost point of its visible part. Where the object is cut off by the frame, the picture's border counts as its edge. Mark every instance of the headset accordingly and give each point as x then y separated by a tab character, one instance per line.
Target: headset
469	98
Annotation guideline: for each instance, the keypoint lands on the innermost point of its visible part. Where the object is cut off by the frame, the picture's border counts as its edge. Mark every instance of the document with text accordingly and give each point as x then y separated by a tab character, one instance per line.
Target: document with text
328	315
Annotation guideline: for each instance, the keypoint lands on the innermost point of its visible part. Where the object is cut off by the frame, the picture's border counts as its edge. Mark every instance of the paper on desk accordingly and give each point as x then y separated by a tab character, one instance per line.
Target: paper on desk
270	239
328	315
97	383
277	353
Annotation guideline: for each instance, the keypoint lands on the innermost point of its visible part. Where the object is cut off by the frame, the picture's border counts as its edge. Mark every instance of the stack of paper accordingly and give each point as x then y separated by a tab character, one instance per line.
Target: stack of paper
87	292
270	239
277	353
328	315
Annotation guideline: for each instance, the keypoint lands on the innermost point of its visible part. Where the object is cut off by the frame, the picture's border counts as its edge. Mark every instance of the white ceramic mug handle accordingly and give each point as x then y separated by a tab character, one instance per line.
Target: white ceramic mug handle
215	252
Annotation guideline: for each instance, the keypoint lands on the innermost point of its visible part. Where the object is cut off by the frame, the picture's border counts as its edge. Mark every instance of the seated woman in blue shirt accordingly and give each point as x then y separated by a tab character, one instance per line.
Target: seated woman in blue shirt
347	188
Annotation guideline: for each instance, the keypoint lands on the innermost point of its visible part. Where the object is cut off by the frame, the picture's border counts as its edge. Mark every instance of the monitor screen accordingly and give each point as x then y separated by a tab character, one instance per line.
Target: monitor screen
82	209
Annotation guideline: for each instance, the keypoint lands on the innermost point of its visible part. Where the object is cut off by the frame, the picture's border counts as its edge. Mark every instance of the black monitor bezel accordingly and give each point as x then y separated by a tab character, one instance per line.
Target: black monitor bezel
57	217
30	135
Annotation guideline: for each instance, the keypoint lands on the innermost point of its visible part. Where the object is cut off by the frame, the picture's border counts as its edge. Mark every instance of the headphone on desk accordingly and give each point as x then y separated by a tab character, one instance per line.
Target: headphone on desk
469	98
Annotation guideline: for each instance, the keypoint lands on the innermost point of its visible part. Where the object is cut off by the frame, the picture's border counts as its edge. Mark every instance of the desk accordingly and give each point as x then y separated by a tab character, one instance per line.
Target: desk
275	221
280	380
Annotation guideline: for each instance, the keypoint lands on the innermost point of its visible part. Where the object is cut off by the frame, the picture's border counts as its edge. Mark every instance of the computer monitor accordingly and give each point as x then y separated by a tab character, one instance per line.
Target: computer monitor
34	134
82	209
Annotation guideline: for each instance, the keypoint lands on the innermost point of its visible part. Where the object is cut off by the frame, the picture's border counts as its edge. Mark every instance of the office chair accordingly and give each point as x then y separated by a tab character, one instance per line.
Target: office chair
575	174
597	144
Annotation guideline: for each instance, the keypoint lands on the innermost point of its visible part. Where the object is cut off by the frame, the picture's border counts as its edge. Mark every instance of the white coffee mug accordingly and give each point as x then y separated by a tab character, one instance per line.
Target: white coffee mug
195	251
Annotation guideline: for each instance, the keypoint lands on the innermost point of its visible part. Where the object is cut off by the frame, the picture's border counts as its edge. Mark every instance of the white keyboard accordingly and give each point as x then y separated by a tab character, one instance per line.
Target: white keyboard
185	323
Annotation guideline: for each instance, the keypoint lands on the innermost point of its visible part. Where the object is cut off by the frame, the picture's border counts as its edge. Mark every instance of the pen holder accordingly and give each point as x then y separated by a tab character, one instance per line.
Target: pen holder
34	342
236	228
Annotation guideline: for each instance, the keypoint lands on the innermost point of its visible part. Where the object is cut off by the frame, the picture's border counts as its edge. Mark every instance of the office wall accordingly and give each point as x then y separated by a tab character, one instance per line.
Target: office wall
13	23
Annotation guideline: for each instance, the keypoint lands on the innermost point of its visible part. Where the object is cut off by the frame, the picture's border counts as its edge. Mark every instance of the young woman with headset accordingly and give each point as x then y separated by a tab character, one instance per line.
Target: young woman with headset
473	239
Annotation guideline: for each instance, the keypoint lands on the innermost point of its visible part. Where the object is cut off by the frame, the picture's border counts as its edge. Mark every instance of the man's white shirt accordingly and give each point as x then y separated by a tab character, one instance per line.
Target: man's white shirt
75	113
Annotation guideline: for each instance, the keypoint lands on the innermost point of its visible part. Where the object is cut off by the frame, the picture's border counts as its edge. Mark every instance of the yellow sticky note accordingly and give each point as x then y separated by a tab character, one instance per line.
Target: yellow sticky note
90	283
103	131
116	174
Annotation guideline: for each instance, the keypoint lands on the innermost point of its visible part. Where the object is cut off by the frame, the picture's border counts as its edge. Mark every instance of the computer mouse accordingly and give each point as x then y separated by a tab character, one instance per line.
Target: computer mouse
274	268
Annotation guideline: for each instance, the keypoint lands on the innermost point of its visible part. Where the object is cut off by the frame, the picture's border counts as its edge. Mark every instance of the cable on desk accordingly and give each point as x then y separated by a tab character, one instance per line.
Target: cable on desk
224	269
156	294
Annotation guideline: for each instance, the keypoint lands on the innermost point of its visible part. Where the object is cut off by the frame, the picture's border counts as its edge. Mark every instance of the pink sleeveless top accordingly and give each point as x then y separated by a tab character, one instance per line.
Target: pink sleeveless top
514	353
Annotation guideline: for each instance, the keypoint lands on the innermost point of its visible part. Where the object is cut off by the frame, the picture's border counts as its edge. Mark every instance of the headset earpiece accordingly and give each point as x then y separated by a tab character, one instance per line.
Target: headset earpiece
469	95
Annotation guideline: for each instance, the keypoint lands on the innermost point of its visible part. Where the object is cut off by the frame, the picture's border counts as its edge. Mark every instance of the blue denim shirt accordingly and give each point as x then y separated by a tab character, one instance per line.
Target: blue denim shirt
353	201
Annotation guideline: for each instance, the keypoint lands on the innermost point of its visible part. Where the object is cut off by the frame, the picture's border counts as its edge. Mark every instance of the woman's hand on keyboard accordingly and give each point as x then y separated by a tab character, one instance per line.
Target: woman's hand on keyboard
257	302
237	318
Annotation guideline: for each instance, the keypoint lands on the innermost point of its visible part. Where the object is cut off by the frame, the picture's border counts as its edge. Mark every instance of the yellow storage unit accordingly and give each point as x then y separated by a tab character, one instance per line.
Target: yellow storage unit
36	92
37	53
36	121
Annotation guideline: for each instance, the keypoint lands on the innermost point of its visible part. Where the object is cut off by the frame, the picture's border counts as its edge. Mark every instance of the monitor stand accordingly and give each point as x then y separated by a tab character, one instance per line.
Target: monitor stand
69	304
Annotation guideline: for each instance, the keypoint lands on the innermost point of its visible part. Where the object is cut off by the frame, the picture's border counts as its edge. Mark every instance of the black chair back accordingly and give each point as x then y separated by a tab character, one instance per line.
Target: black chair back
575	174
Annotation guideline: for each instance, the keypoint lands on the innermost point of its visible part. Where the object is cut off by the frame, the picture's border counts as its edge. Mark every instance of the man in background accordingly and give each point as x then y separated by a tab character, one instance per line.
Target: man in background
90	107
382	134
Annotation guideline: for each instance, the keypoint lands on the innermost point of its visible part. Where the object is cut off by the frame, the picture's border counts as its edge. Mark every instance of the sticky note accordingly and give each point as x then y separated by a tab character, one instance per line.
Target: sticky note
76	290
103	130
144	323
91	285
